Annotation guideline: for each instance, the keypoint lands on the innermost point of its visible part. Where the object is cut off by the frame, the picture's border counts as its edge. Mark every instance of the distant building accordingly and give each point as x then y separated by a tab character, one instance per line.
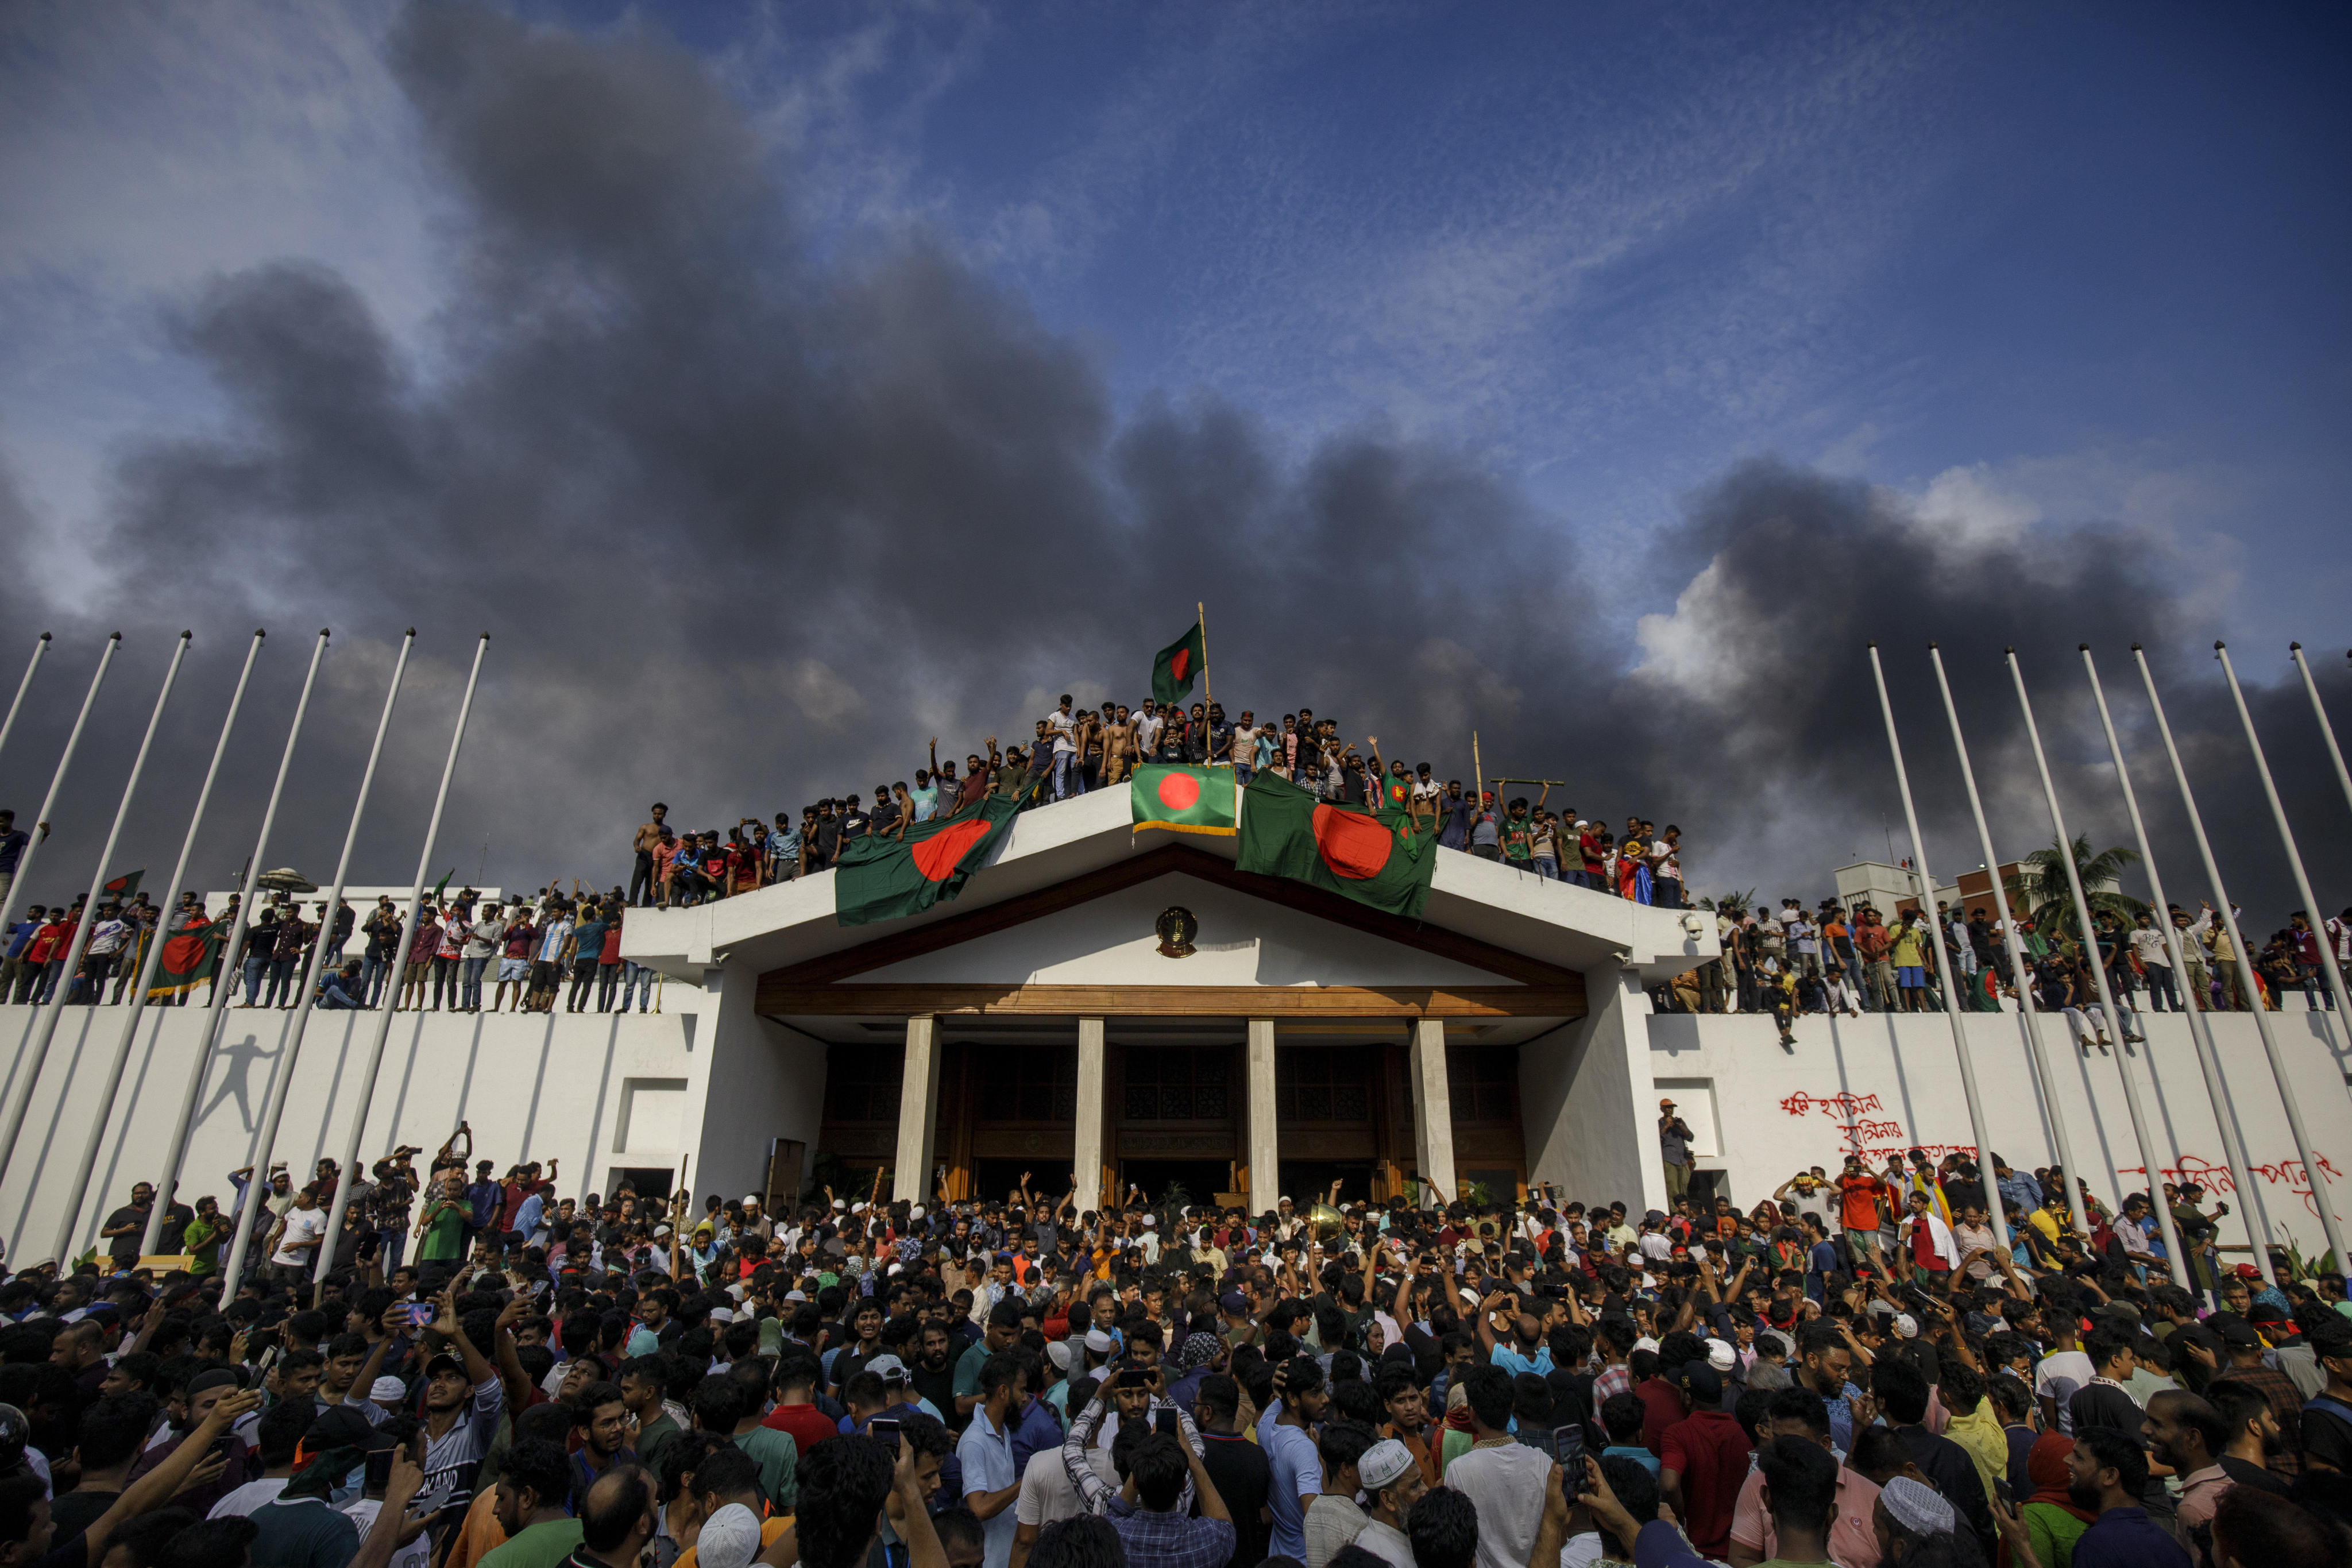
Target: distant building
1889	888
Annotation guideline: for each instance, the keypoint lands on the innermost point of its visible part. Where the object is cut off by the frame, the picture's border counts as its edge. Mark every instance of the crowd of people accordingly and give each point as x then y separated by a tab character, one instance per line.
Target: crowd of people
1077	750
1853	1372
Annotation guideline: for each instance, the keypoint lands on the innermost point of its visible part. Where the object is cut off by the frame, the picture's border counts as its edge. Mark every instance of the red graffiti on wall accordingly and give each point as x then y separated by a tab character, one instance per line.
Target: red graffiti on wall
2290	1173
1841	1104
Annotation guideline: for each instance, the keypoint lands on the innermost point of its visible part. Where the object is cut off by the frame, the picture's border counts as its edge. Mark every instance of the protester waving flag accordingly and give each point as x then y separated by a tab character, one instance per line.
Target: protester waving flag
1183	798
884	877
125	885
189	955
1374	858
1179	662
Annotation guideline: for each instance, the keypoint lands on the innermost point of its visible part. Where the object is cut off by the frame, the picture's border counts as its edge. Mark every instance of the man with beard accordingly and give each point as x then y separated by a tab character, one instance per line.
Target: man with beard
2251	1433
2185	1432
1392	1479
2107	1476
934	1370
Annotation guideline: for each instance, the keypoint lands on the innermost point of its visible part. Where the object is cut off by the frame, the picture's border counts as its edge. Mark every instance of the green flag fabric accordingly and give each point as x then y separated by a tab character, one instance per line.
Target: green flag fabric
190	954
1179	662
1375	859
1183	798
880	876
125	885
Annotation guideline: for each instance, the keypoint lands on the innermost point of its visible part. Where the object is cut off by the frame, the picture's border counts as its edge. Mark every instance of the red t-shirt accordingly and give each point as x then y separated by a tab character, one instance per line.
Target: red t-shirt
1710	1451
807	1424
1859	1198
1662	1406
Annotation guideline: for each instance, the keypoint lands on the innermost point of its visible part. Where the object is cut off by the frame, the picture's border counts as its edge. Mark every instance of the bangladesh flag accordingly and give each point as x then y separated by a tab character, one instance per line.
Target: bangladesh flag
190	954
882	877
1179	662
123	887
1182	798
1375	859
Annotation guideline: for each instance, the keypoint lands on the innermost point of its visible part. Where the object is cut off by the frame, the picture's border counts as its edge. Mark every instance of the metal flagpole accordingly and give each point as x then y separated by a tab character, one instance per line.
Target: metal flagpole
218	1003
2035	1051
8	726
307	998
146	975
2148	1161
348	1172
2318	711
2294	856
2303	1146
1208	692
46	1030
1943	970
2201	1031
39	834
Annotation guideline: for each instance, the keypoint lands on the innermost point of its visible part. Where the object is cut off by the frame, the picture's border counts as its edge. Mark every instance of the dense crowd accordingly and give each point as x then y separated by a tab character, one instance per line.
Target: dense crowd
1853	1372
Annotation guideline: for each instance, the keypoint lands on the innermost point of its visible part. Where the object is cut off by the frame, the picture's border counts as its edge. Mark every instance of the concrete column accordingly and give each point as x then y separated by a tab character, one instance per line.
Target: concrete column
918	1111
1264	1142
1433	1106
1086	1152
1587	1100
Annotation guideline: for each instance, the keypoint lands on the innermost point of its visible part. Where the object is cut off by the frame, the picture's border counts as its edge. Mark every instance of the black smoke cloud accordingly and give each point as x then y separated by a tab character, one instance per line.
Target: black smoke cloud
750	524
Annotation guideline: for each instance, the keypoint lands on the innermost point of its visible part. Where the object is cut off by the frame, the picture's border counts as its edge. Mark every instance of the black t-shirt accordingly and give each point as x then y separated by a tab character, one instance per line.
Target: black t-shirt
1239	1471
77	1510
2096	1404
2328	1437
122	1247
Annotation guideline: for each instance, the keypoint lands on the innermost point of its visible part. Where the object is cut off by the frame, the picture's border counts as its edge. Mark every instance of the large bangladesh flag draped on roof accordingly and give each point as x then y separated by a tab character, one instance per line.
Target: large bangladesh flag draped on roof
189	956
882	877
1373	858
1182	798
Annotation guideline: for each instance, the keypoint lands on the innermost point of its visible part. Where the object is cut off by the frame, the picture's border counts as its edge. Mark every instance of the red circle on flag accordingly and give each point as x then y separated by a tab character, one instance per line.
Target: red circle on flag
1178	792
1182	662
1354	845
936	856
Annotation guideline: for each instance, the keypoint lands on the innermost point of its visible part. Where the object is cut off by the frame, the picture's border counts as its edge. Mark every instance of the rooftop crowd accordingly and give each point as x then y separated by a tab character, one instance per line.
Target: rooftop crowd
495	1372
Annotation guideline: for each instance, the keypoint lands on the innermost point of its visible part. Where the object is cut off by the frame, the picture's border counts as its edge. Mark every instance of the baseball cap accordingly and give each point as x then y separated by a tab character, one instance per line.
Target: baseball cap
342	1426
433	1368
1665	1105
887	1367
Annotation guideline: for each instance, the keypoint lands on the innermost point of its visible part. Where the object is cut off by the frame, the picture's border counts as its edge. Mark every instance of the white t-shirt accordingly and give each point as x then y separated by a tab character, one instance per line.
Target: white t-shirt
241	1502
302	1225
1062	723
417	1553
1046	1494
2149	942
1147	732
1506	1484
2057	1378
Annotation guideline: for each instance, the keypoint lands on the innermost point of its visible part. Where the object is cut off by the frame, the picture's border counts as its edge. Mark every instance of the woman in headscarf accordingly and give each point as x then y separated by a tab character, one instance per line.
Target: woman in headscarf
2053	1520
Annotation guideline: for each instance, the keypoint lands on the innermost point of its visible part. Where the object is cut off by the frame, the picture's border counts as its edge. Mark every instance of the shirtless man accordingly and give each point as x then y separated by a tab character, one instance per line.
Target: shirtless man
642	882
1118	746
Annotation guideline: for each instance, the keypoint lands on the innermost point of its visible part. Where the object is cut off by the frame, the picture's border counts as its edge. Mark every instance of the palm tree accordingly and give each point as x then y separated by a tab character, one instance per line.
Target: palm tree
2040	882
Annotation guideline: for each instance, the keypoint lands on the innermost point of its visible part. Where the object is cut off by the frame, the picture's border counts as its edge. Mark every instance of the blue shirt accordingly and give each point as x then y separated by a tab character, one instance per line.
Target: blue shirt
21	933
1298	1469
1512	1362
12	848
2127	1538
1640	1456
986	1453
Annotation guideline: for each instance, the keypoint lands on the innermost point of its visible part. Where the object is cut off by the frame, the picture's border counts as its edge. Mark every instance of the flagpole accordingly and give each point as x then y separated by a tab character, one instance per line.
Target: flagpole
146	975
176	1151
8	726
1208	692
308	996
2154	1170
46	1030
2294	856
349	1173
39	834
2034	1048
1943	965
2201	1031
2304	1148
2318	710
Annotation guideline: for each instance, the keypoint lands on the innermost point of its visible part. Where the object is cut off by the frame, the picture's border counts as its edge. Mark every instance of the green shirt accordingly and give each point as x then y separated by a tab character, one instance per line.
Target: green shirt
779	1458
652	1438
967	1376
541	1546
444	1235
203	1240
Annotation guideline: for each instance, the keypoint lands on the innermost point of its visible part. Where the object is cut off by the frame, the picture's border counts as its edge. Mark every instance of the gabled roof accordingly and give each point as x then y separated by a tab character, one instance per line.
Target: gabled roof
1553	924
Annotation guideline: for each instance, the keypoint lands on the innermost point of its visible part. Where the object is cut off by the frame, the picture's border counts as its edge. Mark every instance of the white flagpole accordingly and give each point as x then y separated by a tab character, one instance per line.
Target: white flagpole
46	1030
291	1056
176	1151
350	1169
38	834
2303	1146
2201	1031
2044	1078
146	975
1943	970
2294	856
2318	711
2148	1161
8	726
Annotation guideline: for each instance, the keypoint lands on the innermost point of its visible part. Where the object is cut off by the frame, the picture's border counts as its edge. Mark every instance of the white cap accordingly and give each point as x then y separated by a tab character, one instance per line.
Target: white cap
857	1208
795	1295
722	1315
387	1391
1098	1342
1906	1327
661	1232
916	1212
1059	1352
729	1538
748	1198
839	1205
1721	1356
1150	1223
1645	1344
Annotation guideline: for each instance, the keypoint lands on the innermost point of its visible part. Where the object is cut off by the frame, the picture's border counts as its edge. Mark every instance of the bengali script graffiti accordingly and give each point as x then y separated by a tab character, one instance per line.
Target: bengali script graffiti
1841	1104
2289	1173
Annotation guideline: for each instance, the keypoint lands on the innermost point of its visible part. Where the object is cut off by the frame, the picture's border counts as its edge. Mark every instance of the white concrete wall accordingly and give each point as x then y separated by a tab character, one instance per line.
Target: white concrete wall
753	1082
533	1087
1584	1085
1777	1112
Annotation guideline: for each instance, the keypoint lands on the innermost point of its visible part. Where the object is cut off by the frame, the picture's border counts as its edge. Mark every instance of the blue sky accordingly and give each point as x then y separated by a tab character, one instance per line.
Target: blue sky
2074	265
